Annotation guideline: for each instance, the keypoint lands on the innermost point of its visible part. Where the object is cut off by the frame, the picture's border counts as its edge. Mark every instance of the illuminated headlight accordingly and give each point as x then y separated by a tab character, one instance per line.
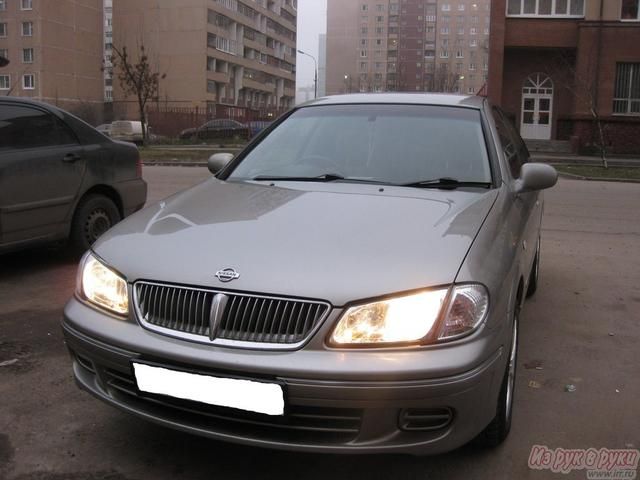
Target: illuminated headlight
103	287
451	312
402	319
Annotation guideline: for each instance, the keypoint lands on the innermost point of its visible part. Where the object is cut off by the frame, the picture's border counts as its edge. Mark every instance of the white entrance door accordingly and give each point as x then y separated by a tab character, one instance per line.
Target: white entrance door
537	107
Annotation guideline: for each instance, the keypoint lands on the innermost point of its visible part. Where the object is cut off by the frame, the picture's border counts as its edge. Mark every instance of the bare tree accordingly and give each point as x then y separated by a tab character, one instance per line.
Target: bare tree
584	89
444	80
137	78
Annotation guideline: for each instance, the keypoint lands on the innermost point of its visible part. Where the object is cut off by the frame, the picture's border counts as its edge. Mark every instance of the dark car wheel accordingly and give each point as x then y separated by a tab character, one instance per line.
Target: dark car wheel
533	277
94	216
498	430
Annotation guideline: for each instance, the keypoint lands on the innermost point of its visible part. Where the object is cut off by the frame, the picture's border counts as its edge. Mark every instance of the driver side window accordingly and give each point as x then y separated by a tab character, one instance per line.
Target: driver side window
514	148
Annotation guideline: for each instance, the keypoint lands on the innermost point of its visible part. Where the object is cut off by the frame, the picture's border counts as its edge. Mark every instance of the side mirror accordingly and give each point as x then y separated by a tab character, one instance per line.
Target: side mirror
218	161
536	176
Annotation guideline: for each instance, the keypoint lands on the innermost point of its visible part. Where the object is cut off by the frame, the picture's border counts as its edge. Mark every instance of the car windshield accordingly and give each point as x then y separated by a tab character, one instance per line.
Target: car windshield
396	144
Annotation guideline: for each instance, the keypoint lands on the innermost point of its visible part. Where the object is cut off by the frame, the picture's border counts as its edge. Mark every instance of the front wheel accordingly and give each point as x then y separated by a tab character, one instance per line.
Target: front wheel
94	216
498	430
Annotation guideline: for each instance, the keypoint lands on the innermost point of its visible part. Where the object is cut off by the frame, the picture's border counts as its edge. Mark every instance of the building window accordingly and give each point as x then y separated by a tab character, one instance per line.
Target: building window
26	5
27	55
472	67
630	10
363	53
446	7
473	43
4	53
5	82
459	54
3	5
3	30
546	8
444	54
365	8
626	100
461	7
444	30
28	82
473	31
27	29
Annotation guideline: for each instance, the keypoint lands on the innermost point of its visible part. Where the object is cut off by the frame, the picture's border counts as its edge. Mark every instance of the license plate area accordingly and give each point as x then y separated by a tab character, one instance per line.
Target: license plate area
265	398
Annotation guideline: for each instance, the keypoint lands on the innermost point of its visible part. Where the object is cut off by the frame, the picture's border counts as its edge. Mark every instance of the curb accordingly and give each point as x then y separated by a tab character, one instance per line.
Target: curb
571	176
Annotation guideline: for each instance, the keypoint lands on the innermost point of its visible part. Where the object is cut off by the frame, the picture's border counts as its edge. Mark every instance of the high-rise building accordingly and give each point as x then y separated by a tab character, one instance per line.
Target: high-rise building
413	45
239	53
55	50
322	65
108	50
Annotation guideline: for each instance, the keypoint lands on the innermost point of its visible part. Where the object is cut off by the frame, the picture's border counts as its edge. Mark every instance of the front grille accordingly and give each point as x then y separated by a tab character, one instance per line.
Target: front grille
236	318
300	423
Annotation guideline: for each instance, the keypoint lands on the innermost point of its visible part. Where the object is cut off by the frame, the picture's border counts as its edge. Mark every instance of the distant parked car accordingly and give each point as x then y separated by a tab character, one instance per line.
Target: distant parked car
60	178
257	126
217	129
127	131
104	129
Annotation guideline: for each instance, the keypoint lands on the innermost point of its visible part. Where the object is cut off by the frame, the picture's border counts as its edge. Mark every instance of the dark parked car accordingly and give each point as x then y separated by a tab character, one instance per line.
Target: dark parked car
217	129
351	282
60	178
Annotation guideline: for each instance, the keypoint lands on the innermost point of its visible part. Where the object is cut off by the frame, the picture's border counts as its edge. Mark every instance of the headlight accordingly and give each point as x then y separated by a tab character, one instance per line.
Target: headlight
413	318
103	287
402	319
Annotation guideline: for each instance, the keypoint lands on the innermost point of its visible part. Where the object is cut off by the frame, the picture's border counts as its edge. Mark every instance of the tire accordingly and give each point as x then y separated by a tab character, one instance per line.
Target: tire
497	431
94	215
535	272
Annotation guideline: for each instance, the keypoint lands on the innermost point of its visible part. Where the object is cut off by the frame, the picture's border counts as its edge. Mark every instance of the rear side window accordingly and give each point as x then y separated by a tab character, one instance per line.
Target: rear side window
24	127
515	150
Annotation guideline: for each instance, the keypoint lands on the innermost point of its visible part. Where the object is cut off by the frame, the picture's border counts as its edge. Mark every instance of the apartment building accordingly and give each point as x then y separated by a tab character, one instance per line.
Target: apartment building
556	63
55	52
239	53
108	50
413	45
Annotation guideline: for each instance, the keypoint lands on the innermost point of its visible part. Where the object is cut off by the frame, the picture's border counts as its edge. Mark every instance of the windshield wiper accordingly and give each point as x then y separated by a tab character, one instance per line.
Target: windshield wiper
446	183
327	177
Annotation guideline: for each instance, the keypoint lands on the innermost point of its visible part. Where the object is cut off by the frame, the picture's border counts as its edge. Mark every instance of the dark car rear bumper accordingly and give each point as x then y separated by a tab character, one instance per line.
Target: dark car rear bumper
133	194
333	416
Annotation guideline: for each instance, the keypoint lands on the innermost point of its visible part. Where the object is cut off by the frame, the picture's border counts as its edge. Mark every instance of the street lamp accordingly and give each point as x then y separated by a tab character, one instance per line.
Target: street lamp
315	80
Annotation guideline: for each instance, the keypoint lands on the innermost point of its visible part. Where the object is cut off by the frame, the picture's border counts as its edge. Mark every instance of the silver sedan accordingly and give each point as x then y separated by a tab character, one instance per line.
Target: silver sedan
352	281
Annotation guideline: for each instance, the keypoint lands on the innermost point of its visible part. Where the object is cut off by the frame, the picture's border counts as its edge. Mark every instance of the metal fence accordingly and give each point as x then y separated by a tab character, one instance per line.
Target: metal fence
171	121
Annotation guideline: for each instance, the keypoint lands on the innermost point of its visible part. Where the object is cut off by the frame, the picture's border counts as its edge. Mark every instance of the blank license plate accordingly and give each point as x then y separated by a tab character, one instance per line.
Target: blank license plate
266	398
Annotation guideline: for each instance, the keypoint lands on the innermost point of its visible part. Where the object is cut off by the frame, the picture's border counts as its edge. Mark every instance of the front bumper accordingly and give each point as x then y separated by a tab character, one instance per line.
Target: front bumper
324	413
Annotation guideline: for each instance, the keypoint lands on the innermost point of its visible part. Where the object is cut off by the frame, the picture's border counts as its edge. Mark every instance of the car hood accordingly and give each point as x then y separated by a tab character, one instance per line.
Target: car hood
337	242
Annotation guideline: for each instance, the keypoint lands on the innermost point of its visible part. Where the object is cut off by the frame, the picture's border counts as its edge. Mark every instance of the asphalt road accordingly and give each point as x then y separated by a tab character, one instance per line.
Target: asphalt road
581	328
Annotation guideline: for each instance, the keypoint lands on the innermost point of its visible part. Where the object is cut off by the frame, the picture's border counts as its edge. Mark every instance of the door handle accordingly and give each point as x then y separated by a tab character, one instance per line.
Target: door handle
71	158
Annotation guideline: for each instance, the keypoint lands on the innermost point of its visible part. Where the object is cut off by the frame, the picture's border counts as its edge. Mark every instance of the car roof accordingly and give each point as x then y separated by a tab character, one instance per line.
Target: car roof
439	99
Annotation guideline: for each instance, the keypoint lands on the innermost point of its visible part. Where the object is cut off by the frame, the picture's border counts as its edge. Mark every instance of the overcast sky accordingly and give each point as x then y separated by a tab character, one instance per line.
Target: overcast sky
312	21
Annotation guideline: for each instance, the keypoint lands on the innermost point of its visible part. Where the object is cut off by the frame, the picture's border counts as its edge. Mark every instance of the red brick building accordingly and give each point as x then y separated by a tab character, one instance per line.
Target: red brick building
556	66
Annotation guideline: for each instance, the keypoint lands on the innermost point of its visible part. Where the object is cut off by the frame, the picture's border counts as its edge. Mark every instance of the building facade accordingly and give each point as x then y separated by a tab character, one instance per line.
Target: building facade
55	53
237	53
413	45
108	51
322	65
569	69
